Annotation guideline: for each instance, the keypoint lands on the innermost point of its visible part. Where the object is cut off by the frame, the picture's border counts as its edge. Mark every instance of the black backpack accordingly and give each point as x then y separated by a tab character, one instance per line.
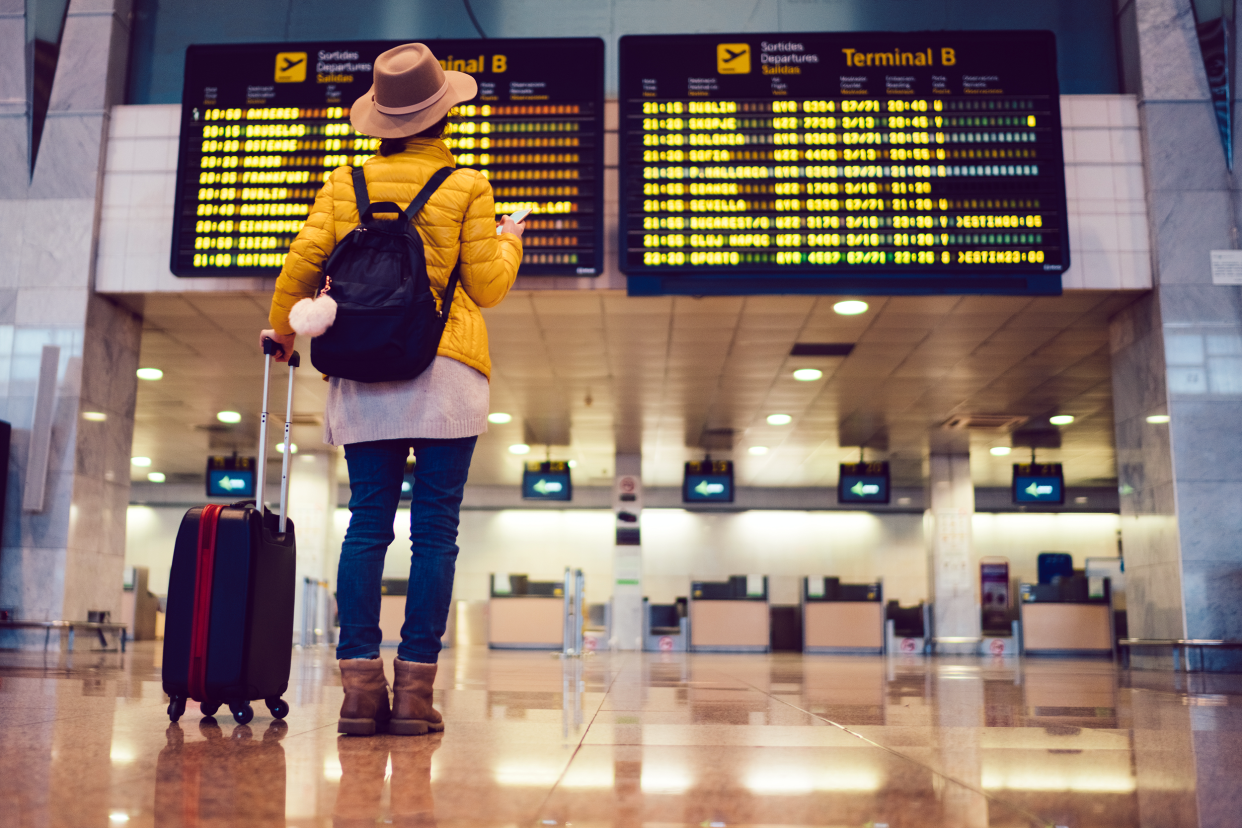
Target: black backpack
386	326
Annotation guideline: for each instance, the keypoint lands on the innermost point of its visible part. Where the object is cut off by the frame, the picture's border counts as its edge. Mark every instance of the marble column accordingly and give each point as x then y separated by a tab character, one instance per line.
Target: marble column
65	559
1177	355
955	603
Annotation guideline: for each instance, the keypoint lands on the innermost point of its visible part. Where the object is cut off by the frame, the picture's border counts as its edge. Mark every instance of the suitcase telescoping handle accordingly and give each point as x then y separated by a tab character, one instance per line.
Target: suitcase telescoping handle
272	348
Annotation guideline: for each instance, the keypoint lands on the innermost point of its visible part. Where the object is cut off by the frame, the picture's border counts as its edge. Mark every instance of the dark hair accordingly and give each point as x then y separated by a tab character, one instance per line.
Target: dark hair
392	146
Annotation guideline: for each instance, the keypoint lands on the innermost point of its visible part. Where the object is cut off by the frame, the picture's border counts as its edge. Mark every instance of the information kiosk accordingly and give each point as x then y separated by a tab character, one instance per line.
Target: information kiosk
730	616
842	618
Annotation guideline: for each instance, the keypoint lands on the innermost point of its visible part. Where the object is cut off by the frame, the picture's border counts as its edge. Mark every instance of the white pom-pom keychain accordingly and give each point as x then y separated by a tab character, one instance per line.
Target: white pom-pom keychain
312	317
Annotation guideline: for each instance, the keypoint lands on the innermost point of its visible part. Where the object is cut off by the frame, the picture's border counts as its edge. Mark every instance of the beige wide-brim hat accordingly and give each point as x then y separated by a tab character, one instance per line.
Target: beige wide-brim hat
410	93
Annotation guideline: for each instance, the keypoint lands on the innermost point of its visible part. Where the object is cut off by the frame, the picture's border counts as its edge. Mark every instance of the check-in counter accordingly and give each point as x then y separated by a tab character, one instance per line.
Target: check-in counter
666	627
1067	617
842	618
730	616
528	615
392	614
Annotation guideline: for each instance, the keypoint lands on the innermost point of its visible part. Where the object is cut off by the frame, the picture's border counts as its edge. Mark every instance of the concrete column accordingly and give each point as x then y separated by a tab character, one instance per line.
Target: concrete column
627	566
312	501
1177	354
66	558
952	500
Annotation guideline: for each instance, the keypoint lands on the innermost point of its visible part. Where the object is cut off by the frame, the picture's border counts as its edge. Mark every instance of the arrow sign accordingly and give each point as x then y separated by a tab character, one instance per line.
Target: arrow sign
546	486
861	489
704	488
229	483
1035	490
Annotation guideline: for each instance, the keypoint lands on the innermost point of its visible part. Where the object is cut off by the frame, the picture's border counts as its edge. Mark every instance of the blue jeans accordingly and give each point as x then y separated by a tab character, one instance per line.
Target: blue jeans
375	475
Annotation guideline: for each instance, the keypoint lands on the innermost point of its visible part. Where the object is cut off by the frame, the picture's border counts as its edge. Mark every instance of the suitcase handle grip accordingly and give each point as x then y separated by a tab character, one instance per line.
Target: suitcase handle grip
272	348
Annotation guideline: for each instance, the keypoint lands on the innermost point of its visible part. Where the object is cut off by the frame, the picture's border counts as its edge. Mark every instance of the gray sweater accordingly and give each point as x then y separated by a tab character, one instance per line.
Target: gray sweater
447	401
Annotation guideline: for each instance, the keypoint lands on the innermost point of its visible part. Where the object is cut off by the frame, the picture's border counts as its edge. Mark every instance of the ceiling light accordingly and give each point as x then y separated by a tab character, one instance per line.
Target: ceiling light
499	417
850	307
1158	419
758	449
94	416
573	464
293	448
142	462
1061	419
150	373
229	417
1000	451
156	477
779	419
808	374
519	448
118	816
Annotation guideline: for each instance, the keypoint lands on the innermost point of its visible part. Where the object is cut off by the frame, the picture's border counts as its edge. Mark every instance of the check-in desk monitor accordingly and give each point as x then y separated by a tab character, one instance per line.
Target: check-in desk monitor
730	616
842	618
666	627
525	614
1070	616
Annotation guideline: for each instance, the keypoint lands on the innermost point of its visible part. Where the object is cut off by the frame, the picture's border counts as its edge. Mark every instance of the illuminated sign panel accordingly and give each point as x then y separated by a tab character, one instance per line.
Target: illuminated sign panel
230	477
709	481
1038	483
863	483
847	162
262	125
547	480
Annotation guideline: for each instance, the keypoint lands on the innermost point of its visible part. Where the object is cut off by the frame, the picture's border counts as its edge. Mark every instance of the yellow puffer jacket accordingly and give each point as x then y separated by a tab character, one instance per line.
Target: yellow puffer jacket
459	220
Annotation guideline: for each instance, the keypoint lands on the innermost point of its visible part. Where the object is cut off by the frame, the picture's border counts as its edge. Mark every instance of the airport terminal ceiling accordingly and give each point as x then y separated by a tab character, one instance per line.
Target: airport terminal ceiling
596	371
1085	32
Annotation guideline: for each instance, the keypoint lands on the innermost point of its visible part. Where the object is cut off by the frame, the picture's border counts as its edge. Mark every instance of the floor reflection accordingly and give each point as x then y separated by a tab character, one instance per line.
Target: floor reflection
630	740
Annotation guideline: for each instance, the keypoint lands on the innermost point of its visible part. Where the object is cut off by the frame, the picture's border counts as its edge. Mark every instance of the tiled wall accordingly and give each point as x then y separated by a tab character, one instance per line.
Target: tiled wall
1103	176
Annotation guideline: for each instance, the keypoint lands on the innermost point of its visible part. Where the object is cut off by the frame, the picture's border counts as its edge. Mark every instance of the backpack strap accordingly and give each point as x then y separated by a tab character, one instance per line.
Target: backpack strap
433	184
360	192
449	291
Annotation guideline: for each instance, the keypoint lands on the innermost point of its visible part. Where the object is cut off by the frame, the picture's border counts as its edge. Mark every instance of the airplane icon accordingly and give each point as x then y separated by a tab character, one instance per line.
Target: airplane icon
291	67
733	58
289	64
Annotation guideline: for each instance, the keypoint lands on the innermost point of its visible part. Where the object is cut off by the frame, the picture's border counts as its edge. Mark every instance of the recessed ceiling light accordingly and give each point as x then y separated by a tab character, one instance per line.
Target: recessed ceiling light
807	374
779	419
141	462
228	417
1158	419
118	816
156	477
150	373
499	417
850	307
1000	451
573	464
94	416
758	449
293	448
1061	419
519	448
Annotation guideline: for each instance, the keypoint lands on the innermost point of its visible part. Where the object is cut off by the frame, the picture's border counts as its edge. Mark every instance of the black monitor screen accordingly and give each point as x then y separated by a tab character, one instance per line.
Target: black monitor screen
547	481
1038	483
708	482
230	483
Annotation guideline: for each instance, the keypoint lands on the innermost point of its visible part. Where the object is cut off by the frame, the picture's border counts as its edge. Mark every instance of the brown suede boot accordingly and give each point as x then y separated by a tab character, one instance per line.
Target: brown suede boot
365	710
412	713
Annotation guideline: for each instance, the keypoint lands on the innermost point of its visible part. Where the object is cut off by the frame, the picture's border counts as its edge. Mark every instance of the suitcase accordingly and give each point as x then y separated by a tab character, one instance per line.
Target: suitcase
228	634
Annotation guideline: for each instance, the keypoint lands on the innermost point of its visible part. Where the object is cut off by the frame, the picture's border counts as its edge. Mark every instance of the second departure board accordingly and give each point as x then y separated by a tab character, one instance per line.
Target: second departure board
263	125
868	162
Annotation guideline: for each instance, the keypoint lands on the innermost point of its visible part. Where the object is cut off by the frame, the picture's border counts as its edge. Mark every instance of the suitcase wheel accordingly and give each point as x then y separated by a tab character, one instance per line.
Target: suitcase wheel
277	707
242	713
176	706
209	708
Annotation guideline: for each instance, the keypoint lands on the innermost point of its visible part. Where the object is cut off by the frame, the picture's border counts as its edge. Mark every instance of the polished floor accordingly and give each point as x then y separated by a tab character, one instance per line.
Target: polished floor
629	739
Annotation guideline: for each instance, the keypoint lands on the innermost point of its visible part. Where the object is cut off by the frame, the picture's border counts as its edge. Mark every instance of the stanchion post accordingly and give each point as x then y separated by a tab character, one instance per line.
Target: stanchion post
579	616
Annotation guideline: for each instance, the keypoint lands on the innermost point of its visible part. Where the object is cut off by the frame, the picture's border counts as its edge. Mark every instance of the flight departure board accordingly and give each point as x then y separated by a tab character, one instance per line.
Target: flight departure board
262	126
866	162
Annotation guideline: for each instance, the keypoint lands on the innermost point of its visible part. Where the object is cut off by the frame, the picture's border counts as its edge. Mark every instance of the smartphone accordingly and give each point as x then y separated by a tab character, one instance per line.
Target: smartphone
517	217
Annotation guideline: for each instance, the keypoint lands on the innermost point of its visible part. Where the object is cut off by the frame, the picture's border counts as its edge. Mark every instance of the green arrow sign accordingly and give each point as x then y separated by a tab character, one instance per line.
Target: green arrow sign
546	486
230	484
1036	490
704	488
861	489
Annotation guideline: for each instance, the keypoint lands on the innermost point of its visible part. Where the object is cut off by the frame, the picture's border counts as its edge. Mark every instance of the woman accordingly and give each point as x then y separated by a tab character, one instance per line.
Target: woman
438	414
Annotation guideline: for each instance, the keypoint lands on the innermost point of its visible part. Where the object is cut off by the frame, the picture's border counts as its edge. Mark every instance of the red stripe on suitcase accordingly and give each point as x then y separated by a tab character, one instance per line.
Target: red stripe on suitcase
203	577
